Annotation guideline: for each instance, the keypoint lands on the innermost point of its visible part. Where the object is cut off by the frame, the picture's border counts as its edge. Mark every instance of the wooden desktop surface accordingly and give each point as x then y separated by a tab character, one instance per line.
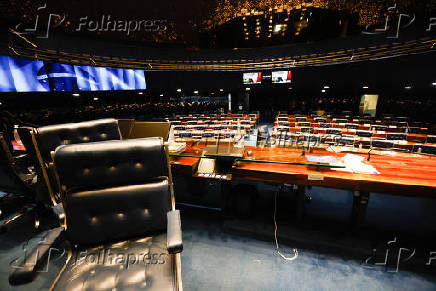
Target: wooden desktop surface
404	174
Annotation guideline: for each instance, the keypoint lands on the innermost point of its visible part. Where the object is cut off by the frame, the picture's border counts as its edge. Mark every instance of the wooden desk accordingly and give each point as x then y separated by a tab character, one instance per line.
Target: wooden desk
404	174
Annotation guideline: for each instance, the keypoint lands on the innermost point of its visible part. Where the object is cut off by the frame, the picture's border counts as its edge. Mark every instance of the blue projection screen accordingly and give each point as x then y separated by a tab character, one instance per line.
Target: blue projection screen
22	75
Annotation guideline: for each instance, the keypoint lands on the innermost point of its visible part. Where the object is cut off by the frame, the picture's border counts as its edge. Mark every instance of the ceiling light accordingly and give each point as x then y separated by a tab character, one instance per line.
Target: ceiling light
277	28
95	99
221	90
408	87
290	88
195	92
247	89
434	83
326	87
365	87
76	94
140	93
161	95
179	90
323	90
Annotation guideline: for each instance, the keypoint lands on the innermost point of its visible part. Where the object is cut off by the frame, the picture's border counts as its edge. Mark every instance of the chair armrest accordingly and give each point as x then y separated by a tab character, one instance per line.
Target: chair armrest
26	268
174	232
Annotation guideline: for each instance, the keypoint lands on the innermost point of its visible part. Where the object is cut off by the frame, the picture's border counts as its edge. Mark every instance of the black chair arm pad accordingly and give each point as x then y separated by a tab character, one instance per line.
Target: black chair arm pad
174	232
25	270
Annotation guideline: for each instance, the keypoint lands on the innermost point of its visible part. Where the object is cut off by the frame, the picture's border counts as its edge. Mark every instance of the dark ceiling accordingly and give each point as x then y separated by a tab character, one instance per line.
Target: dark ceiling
209	24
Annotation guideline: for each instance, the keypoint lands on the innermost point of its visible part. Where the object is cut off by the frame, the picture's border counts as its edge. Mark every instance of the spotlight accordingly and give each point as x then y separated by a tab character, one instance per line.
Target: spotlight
365	87
179	90
408	87
247	89
140	93
290	88
326	87
323	90
195	92
434	83
76	94
95	99
222	90
1	104
161	95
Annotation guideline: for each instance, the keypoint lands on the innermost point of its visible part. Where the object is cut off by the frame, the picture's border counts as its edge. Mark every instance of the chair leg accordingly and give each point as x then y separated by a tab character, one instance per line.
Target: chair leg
178	266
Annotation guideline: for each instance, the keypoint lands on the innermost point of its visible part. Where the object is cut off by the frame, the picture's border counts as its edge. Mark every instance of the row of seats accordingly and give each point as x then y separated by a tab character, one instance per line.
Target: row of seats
351	131
215	126
399	124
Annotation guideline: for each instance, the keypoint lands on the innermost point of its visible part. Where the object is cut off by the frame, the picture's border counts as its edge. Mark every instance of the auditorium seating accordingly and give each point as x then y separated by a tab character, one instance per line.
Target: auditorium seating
361	131
214	126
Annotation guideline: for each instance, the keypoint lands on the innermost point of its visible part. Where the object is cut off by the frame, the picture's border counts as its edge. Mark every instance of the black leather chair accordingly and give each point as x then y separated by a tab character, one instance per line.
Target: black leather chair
396	136
119	206
431	139
364	133
46	139
382	144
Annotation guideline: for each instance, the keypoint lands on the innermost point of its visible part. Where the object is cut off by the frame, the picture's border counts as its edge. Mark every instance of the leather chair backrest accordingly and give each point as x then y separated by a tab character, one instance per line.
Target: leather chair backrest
52	136
108	163
117	213
41	188
26	139
115	189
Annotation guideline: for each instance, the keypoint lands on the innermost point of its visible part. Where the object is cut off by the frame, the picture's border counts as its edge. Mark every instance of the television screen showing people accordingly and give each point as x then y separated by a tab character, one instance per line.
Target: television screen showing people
281	77
252	78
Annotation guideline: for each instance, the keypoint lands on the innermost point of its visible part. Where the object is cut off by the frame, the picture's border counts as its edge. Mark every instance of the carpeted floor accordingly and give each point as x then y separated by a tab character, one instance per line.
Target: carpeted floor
213	260
216	259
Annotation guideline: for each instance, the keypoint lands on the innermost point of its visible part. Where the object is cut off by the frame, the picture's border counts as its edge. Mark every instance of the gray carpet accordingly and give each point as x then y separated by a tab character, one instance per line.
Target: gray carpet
214	260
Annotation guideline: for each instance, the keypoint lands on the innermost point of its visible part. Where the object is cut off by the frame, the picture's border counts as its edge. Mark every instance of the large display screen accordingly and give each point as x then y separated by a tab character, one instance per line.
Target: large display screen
281	77
252	78
22	75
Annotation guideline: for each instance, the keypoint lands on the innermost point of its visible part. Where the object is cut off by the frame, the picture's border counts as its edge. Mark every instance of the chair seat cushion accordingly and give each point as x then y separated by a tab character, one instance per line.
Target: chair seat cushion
129	265
112	214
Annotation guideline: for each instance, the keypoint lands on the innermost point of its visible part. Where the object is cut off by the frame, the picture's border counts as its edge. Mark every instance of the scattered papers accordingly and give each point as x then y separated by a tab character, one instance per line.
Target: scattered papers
322	159
176	147
354	163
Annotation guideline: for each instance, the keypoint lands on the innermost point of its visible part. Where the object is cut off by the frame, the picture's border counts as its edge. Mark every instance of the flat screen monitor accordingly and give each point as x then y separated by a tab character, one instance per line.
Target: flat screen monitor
23	75
281	77
252	78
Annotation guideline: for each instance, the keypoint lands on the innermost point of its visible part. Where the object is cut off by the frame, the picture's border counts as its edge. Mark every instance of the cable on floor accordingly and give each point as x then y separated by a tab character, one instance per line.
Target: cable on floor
275	234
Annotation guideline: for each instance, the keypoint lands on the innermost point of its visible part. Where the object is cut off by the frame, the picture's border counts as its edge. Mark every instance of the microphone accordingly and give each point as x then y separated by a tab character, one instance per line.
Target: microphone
368	158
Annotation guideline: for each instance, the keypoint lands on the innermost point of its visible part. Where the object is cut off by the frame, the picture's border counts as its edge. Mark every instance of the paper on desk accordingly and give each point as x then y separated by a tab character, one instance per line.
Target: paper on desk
354	163
322	160
175	147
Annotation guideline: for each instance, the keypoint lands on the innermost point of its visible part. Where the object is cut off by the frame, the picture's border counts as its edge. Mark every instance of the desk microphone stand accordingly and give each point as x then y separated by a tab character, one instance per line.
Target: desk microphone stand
218	141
